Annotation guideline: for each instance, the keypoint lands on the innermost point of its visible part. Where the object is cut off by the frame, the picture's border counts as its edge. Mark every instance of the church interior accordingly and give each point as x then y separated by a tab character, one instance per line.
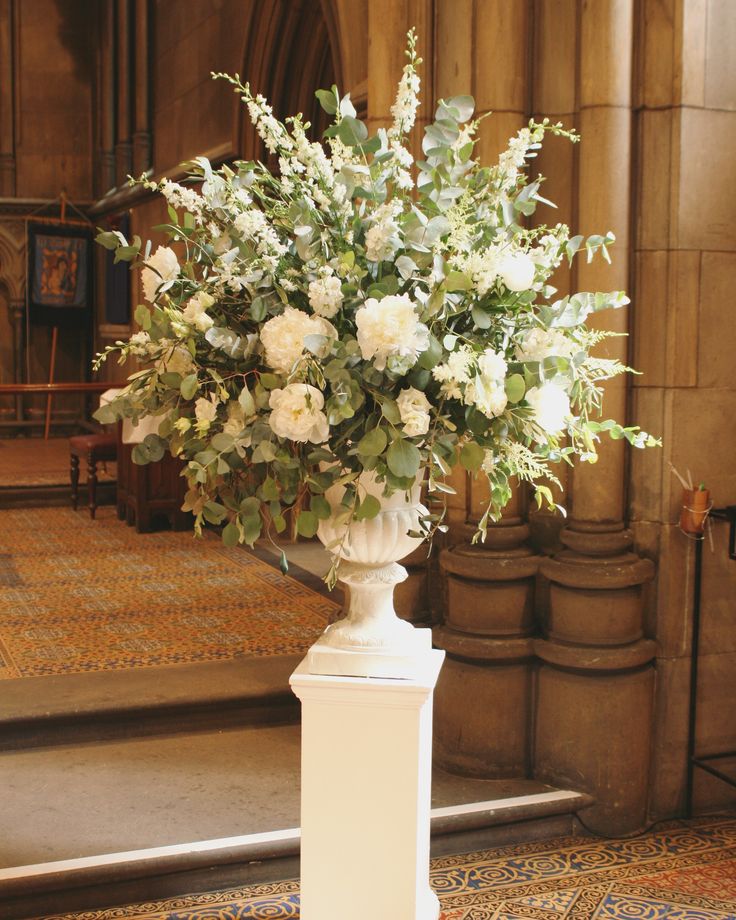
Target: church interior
584	742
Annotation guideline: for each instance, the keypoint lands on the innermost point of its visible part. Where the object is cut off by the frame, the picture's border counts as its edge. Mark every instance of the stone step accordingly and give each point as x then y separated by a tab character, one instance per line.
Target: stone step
105	705
85	826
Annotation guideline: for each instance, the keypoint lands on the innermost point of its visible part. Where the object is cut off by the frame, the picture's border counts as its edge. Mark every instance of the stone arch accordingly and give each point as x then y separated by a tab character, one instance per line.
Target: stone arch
294	47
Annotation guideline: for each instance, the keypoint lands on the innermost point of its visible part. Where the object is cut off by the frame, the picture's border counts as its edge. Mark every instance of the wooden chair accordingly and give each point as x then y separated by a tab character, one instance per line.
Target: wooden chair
97	448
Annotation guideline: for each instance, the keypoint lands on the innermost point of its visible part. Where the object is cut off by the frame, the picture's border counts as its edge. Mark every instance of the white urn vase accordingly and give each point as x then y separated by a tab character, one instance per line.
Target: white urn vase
370	640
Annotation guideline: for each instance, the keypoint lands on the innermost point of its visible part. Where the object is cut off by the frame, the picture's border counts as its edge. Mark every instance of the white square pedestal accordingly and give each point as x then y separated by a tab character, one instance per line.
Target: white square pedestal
366	786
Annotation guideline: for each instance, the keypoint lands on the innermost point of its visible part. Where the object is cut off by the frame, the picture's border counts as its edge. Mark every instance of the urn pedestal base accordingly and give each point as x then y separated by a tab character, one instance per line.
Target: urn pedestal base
366	785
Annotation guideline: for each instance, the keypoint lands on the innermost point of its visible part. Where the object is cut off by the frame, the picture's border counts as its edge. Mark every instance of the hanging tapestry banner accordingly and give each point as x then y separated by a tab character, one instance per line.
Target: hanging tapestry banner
59	274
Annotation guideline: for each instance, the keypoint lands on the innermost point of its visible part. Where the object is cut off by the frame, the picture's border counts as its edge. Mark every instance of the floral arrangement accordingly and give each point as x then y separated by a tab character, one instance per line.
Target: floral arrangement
355	311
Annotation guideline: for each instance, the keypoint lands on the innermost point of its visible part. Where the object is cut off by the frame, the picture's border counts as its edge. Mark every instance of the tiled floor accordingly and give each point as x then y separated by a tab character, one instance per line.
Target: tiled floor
680	871
78	595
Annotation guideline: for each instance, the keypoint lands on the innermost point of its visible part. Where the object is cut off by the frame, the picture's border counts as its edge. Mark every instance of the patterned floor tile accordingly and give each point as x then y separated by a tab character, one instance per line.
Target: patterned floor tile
78	595
523	887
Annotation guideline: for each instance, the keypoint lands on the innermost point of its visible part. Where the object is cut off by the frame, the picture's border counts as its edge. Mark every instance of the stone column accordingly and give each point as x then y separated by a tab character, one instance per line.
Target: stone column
489	612
594	713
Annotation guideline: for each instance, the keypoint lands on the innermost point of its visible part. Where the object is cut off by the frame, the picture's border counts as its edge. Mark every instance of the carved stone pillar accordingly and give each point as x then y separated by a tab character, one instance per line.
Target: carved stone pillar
487	635
596	681
489	611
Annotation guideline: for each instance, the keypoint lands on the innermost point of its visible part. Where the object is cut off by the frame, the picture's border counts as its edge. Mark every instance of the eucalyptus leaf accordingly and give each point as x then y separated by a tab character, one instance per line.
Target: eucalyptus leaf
373	443
403	458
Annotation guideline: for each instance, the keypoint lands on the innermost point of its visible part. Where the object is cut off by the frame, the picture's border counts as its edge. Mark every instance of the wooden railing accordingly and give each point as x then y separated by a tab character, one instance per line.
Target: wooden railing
50	389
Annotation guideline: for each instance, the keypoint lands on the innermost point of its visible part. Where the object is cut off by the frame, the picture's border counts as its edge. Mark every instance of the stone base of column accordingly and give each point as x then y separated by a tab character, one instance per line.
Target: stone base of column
484	697
596	683
366	785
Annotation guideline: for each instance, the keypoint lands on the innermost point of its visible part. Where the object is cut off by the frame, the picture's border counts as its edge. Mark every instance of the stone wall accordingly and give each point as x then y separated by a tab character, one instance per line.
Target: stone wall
684	341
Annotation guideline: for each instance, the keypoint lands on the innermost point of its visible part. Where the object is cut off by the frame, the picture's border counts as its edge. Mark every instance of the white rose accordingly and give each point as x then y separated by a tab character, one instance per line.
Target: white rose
325	296
517	271
297	414
177	360
195	312
283	337
205	410
551	407
414	411
162	266
390	327
489	397
539	344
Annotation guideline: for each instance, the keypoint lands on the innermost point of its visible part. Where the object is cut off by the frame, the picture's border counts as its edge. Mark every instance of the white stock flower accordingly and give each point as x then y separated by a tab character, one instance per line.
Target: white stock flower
162	266
195	312
404	109
390	328
180	197
551	407
283	337
414	411
296	414
539	344
492	366
517	271
325	296
139	343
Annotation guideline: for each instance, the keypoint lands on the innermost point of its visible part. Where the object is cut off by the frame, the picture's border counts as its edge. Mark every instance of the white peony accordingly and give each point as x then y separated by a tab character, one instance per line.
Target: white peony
297	414
414	411
283	337
390	328
195	312
162	266
325	296
517	271
551	407
539	344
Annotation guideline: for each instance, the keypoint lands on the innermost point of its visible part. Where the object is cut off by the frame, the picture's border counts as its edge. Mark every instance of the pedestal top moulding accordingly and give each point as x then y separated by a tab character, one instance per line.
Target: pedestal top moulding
321	337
